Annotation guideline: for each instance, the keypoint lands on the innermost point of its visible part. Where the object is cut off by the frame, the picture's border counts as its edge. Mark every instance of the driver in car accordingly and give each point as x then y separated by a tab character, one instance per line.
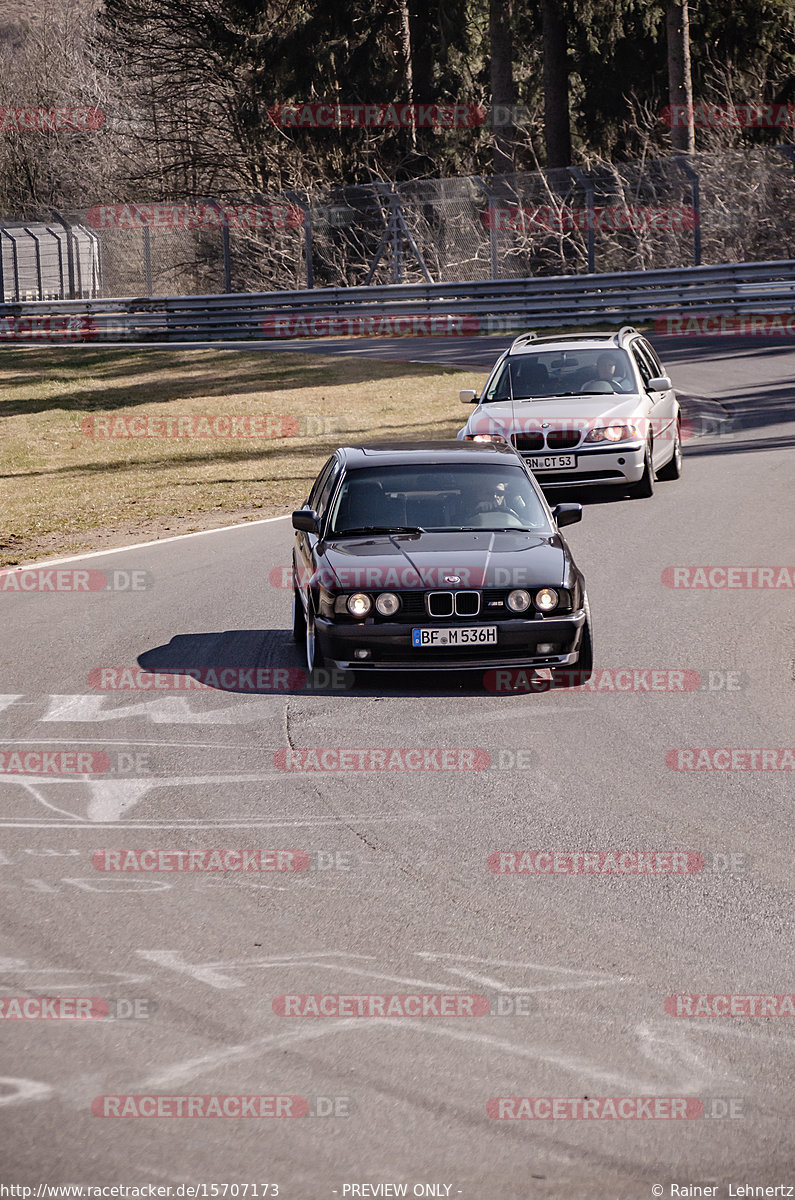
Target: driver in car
495	498
610	369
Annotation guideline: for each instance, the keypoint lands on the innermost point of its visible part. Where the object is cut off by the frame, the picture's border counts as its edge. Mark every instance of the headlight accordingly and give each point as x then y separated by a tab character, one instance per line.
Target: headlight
519	600
547	599
484	437
359	604
617	432
387	604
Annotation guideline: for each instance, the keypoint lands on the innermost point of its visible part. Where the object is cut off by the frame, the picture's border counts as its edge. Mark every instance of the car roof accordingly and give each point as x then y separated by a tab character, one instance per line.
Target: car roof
608	339
592	342
390	454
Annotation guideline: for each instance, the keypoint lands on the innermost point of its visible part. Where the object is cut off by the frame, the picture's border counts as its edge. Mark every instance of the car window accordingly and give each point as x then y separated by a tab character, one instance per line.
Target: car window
320	483
647	370
556	372
477	495
327	488
659	369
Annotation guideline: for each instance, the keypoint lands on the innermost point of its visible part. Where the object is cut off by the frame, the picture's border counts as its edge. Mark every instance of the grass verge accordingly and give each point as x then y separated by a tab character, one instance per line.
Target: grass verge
64	491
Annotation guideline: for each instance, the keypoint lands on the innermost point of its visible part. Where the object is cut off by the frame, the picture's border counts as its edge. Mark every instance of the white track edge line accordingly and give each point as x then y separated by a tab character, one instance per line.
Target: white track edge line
178	537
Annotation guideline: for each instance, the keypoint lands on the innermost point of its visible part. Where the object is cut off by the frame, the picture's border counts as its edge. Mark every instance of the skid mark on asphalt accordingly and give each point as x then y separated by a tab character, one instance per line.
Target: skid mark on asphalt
369	838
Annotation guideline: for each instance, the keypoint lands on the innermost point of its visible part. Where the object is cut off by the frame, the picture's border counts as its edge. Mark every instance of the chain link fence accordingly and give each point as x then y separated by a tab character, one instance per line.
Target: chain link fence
736	206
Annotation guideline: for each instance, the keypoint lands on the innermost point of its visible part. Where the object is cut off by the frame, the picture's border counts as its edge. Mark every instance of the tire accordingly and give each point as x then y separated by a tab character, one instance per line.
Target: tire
644	488
673	468
582	670
314	655
299	619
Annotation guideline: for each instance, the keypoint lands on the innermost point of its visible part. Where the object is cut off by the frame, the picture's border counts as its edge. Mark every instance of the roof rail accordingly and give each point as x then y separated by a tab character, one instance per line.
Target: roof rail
573	337
625	332
532	336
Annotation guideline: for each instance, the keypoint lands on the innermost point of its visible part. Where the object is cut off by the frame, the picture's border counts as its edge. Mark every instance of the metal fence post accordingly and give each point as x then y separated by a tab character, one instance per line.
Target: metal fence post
57	241
492	226
695	190
37	251
308	241
397	249
587	184
224	243
15	261
70	262
147	260
308	248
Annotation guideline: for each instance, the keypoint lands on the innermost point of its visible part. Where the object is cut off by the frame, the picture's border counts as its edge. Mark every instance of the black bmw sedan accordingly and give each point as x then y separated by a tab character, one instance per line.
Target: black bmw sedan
434	556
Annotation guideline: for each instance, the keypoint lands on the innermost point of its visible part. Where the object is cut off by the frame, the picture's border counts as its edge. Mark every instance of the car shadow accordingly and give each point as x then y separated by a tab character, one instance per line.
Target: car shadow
266	662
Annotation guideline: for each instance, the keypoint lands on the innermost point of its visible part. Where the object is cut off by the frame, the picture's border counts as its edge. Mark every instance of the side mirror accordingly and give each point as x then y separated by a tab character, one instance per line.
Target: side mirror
567	514
306	520
660	383
467	396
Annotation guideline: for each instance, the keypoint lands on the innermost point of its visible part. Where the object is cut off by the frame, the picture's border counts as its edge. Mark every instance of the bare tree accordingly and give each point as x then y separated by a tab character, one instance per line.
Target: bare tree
45	64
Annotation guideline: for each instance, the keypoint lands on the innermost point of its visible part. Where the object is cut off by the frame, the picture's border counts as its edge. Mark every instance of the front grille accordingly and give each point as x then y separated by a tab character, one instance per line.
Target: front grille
529	441
467	604
445	604
440	604
554	439
562	439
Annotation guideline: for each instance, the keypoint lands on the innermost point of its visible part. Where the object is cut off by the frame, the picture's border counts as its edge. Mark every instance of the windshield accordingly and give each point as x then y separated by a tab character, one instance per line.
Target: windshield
562	373
428	497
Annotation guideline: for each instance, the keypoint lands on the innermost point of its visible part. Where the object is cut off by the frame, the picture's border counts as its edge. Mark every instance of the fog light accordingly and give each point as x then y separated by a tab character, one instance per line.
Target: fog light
359	604
361	654
545	648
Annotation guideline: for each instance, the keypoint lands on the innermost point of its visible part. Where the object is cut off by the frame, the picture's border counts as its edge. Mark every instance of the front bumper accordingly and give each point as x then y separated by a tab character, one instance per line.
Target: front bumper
390	648
596	466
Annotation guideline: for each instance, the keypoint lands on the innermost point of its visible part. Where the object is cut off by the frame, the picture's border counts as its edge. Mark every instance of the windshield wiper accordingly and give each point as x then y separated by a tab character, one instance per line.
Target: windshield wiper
533	399
493	529
377	529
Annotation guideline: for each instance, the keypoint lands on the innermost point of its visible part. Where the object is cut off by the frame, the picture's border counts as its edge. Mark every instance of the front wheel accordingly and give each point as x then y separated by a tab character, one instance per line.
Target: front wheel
645	485
673	468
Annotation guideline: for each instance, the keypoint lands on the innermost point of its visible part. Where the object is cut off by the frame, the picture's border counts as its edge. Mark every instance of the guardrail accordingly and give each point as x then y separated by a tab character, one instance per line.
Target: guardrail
491	306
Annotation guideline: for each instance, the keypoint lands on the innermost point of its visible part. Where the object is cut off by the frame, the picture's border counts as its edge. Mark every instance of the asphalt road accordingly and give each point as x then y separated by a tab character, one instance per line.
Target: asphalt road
398	897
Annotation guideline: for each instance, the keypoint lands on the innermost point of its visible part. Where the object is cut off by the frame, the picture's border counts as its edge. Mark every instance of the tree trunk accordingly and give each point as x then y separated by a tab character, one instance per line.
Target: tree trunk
680	85
406	61
503	94
557	128
422	47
